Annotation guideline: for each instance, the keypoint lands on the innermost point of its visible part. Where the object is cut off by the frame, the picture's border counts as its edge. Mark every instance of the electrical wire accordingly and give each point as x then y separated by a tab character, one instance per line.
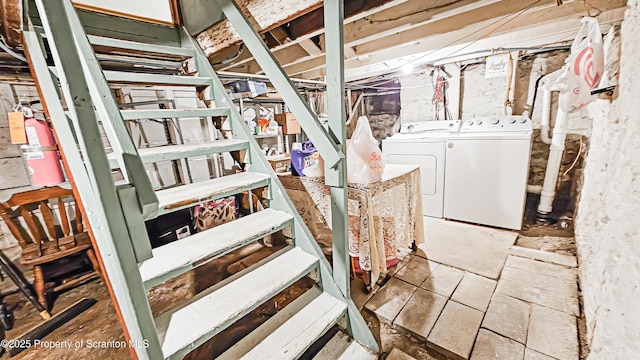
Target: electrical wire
575	161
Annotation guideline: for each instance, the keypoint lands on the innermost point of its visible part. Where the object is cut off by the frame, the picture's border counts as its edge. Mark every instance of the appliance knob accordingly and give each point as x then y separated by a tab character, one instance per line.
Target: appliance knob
523	120
479	122
469	122
512	121
410	128
495	121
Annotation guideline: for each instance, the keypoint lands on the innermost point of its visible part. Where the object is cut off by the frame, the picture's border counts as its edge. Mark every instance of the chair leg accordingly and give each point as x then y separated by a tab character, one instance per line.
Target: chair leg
94	261
38	283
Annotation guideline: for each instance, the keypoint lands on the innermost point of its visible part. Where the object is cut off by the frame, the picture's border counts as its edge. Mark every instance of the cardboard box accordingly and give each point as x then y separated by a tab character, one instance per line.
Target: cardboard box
289	123
280	163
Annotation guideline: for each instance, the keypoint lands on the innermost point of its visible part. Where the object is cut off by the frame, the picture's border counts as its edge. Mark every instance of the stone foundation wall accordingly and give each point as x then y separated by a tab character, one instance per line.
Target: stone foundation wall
607	227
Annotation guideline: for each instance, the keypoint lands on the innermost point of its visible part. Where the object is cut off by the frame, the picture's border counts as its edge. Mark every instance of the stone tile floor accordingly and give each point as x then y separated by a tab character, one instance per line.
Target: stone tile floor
430	310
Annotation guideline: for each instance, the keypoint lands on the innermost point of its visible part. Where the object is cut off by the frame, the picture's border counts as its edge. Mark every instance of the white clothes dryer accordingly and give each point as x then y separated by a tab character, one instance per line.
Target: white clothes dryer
423	144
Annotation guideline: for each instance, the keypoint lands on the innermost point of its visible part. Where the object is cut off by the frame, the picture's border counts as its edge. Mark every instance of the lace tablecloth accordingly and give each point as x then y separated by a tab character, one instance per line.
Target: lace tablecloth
383	216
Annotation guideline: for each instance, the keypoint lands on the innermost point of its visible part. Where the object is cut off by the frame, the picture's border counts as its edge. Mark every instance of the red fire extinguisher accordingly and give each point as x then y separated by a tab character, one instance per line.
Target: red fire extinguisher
41	154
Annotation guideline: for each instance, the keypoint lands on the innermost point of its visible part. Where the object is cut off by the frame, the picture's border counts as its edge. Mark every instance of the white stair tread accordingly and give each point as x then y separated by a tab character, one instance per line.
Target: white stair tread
174	152
172	113
357	351
132	45
190	325
342	347
146	78
191	194
334	348
272	324
295	336
180	256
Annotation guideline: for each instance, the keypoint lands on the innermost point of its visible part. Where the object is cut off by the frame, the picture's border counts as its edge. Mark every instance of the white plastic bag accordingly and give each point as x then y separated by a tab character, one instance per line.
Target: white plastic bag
364	158
584	67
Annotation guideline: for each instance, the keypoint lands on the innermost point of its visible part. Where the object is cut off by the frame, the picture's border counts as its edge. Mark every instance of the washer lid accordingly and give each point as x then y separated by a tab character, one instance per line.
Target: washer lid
425	136
431	126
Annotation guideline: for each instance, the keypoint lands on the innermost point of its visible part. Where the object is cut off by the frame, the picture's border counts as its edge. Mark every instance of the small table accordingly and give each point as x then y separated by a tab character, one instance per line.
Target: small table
383	216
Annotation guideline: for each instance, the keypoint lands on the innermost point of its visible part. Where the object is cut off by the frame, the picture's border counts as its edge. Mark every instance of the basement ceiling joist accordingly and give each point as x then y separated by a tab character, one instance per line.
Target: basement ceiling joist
402	28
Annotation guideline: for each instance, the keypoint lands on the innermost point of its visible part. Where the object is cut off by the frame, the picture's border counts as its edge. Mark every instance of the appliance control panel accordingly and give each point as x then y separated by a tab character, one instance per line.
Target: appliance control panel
431	126
497	124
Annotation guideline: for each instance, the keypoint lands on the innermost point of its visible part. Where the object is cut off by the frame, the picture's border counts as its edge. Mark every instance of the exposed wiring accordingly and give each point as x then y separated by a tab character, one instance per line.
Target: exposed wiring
8	50
575	161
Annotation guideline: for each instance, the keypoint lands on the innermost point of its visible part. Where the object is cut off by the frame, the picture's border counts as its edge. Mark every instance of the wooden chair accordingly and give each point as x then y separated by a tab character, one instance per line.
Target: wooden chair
54	253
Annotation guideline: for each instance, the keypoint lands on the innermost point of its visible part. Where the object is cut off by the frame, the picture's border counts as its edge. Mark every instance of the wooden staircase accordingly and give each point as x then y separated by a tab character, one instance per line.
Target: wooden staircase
64	47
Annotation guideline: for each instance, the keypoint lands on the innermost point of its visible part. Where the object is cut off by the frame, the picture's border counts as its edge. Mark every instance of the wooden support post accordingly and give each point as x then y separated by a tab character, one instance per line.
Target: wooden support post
337	176
333	17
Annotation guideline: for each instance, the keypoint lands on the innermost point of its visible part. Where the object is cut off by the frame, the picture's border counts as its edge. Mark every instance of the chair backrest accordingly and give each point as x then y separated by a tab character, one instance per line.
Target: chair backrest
26	204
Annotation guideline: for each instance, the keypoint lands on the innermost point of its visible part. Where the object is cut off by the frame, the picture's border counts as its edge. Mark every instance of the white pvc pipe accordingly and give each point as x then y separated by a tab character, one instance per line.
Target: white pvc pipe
553	164
546	109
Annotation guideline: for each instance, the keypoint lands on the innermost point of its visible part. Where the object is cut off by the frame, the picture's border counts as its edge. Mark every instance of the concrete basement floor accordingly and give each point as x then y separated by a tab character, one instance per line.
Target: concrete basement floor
470	293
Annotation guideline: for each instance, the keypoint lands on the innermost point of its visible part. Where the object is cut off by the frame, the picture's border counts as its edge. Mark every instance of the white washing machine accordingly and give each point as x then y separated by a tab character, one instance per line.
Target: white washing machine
487	167
423	144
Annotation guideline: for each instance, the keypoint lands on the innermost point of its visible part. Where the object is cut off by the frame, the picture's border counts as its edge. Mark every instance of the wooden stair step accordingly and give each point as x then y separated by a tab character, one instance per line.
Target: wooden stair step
173	113
188	195
272	324
335	347
188	326
299	331
180	256
343	347
140	47
357	351
144	78
175	152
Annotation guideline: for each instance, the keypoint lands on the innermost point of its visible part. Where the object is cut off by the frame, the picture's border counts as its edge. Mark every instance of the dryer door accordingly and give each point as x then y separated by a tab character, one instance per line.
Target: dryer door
430	157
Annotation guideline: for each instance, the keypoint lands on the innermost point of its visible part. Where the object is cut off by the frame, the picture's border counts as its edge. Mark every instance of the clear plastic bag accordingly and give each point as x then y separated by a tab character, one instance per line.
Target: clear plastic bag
364	157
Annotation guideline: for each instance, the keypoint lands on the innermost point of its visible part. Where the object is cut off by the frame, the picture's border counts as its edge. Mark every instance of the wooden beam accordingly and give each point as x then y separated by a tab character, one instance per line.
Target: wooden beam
310	47
551	32
267	14
246	58
349	53
393	17
434	35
